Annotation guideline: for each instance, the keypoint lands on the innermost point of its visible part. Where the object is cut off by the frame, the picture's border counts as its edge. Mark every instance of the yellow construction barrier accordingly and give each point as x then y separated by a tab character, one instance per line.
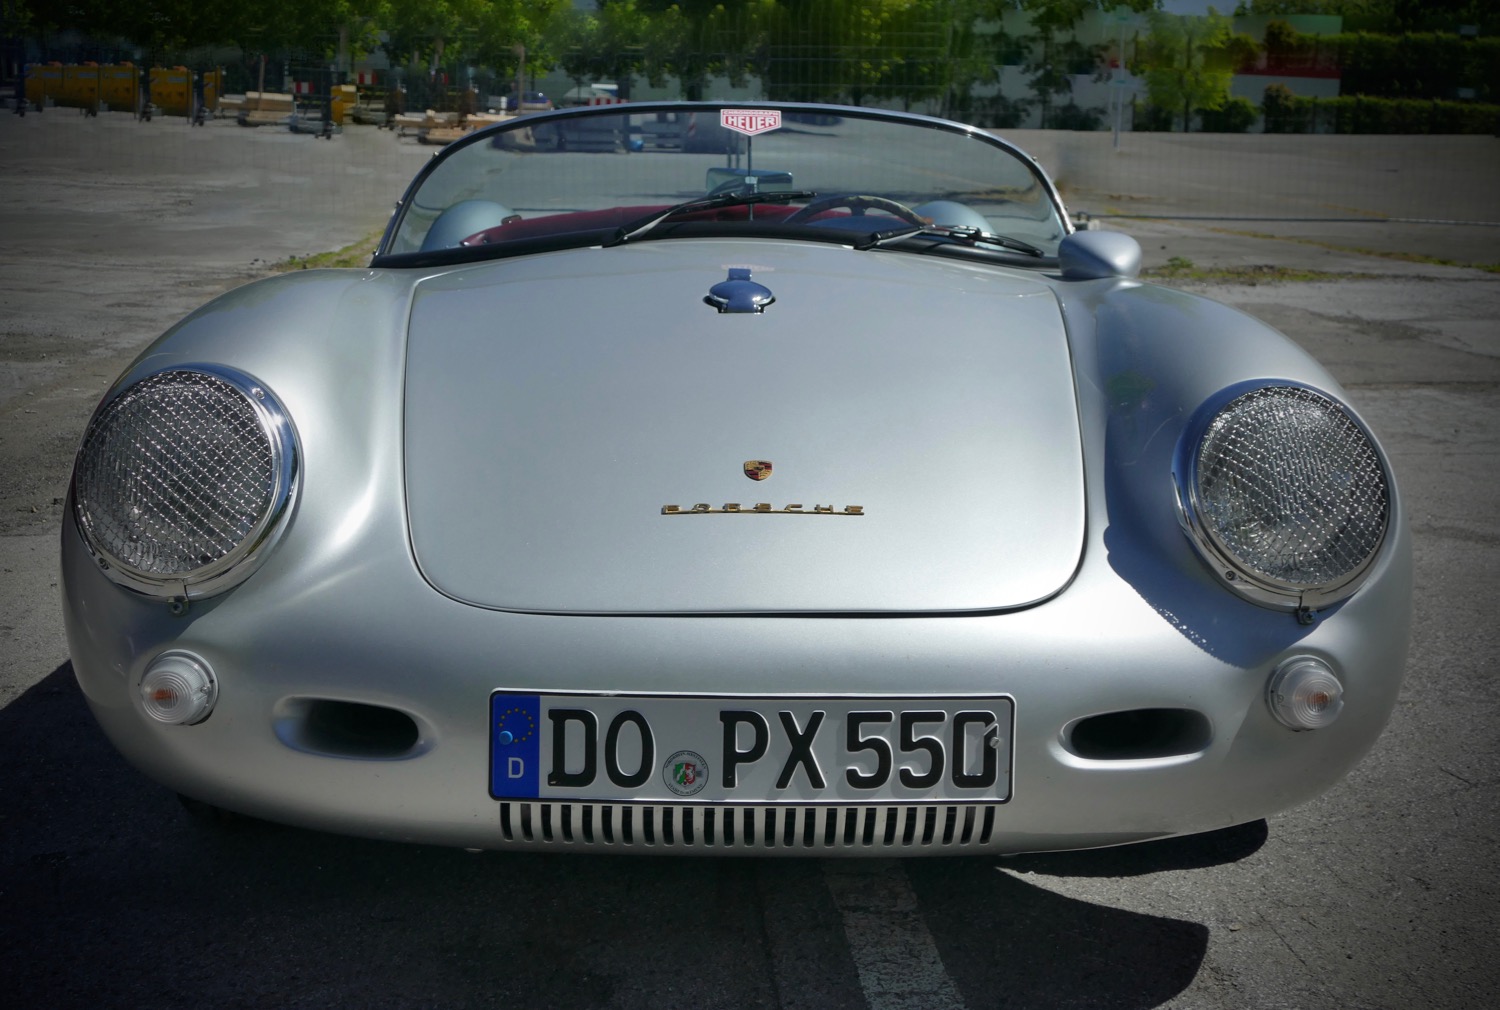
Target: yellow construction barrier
80	87
345	97
43	81
118	86
213	88
172	90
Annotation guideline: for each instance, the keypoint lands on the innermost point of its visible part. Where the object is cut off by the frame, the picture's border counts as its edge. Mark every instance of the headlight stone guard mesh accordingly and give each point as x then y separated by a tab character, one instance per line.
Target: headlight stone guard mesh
1291	491
181	475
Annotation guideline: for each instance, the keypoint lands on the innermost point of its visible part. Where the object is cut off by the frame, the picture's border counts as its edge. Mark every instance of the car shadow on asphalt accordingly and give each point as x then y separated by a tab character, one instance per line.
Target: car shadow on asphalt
115	896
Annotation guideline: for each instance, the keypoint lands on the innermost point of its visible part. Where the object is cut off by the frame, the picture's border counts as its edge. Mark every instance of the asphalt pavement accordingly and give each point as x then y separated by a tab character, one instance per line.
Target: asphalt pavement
1382	893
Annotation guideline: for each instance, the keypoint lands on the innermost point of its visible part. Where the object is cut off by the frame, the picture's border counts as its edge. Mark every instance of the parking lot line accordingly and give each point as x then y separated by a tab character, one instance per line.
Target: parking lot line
897	958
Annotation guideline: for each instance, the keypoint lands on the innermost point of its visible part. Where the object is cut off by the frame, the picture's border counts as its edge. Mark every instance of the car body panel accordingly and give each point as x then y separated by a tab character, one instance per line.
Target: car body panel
540	457
355	609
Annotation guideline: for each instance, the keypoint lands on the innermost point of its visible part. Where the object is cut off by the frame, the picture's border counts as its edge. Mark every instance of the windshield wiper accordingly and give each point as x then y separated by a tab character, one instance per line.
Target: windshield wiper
959	233
636	229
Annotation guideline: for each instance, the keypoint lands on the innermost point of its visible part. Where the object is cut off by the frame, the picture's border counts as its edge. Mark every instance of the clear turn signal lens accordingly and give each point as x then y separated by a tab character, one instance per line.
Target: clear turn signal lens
1305	693
178	689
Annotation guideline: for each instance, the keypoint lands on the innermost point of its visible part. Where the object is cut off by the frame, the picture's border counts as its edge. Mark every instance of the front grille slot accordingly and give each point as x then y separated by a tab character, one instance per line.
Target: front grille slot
746	829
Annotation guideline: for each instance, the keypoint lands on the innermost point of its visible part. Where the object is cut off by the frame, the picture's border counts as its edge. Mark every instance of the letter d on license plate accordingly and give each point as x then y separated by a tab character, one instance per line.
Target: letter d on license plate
675	749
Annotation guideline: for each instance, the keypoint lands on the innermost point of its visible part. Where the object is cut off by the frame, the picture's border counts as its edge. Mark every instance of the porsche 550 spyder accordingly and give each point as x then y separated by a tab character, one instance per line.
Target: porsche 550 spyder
735	479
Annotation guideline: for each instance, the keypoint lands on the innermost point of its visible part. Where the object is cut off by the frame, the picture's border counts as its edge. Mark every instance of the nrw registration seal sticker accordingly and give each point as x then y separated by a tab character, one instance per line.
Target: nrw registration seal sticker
685	773
750	121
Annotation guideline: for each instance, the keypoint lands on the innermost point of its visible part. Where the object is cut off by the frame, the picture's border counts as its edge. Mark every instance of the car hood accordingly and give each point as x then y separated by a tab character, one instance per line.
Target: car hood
559	406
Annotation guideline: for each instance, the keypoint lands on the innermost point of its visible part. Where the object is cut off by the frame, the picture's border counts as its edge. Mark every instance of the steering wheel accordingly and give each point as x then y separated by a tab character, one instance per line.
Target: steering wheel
857	205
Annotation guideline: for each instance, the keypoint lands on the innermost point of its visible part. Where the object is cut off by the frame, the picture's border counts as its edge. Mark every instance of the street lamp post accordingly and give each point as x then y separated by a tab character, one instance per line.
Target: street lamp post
1117	77
520	75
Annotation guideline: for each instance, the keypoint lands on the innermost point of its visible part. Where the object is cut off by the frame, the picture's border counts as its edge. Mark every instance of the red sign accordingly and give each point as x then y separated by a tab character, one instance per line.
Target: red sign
750	121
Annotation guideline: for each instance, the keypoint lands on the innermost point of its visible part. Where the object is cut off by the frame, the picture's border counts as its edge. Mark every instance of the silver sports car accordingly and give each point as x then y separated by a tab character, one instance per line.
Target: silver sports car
735	479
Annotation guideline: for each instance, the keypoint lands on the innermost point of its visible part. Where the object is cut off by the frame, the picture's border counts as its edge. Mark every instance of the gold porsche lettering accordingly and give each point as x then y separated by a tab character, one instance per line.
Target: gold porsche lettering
736	508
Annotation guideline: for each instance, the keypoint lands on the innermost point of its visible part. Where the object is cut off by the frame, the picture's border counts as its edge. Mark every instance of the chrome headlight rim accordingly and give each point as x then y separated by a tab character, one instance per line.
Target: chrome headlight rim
1232	571
243	559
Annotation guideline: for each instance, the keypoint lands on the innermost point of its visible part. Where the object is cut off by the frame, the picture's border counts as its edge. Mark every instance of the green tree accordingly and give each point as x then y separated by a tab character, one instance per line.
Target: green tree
1053	53
166	30
1398	15
1236	115
939	54
622	37
836	50
1281	40
1283	111
697	40
1343	8
1188	61
158	26
1054	59
355	25
862	45
513	38
574	35
606	44
1386	15
421	31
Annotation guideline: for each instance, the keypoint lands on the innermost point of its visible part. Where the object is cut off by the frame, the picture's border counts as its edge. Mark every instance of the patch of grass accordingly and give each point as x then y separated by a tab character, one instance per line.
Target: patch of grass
1405	257
1179	268
356	255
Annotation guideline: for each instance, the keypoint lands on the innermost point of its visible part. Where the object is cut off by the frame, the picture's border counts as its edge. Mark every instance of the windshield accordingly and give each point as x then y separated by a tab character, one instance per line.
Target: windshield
648	171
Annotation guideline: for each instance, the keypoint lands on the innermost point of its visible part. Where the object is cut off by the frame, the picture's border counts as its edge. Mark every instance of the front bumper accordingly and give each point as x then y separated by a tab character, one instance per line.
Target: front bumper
304	635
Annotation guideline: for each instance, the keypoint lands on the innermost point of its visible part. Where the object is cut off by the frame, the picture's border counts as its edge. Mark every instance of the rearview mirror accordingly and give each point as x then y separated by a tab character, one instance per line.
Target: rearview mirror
747	180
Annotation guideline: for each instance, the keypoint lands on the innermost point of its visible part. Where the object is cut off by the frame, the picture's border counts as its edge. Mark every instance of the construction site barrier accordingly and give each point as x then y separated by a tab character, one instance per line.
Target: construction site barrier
345	97
44	81
117	86
80	87
172	90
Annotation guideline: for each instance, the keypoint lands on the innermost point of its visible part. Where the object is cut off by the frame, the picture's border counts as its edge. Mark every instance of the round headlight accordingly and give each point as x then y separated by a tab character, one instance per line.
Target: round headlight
183	477
1284	494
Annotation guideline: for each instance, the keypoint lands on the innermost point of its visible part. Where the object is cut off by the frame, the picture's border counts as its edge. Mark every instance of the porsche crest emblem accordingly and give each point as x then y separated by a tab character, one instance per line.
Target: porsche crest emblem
757	469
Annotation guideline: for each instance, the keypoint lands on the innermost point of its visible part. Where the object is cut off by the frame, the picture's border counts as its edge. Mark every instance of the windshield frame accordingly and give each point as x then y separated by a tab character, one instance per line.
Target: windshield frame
384	258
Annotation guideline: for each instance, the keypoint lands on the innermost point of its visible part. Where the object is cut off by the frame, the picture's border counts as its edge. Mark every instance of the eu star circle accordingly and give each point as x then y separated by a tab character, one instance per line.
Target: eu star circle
516	725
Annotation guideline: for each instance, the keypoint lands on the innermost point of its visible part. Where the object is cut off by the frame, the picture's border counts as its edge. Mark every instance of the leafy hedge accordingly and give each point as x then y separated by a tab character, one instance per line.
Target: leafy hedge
1236	115
1288	113
1414	65
1419	66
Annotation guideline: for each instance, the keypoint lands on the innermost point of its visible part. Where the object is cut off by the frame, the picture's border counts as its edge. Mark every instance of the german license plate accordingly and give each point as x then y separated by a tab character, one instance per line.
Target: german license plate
675	749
